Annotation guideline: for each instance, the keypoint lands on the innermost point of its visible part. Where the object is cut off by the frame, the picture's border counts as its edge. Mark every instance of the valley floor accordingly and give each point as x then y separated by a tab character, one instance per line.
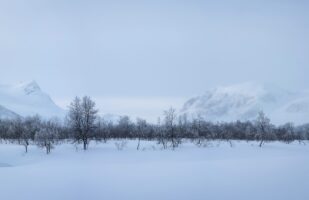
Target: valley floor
276	171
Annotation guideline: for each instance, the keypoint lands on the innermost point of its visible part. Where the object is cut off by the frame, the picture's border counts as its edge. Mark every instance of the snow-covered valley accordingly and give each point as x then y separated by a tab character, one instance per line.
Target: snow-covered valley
277	171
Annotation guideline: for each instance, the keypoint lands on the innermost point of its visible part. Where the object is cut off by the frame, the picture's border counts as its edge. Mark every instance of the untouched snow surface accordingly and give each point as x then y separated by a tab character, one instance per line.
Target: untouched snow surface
275	172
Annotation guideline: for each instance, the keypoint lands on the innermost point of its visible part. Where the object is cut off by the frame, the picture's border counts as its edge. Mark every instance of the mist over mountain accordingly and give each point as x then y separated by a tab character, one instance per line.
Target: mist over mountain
224	103
244	101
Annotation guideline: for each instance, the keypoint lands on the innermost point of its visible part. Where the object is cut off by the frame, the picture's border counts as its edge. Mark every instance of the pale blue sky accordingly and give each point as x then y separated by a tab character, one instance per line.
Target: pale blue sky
159	48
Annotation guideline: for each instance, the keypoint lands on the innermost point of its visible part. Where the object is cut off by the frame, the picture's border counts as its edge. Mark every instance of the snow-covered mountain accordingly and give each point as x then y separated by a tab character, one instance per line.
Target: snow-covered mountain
6	113
27	99
244	101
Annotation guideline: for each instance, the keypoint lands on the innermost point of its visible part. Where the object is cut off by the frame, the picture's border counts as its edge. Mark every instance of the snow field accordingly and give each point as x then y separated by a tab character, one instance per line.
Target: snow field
276	171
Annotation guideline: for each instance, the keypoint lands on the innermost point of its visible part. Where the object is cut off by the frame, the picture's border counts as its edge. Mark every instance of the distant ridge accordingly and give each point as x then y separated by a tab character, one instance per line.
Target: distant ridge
244	101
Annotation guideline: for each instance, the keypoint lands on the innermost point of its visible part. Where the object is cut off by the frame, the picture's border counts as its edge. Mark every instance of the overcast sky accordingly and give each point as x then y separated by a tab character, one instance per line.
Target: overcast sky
152	49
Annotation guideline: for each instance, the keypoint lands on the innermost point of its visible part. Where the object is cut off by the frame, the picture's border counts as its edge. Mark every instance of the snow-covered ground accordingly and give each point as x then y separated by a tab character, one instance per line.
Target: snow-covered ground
275	172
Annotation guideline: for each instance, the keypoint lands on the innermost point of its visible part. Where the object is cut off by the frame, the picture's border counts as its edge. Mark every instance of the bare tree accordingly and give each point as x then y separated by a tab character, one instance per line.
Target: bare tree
141	129
31	125
47	135
263	128
286	133
124	127
196	130
103	129
161	134
170	127
82	116
17	130
4	129
183	126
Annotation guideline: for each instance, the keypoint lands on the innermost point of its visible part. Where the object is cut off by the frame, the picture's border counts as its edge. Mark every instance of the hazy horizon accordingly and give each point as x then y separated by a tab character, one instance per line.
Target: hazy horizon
163	48
152	108
152	53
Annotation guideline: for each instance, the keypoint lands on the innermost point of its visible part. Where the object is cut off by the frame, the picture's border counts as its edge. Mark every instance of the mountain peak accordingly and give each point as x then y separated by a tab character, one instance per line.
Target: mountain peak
27	98
29	87
242	102
247	88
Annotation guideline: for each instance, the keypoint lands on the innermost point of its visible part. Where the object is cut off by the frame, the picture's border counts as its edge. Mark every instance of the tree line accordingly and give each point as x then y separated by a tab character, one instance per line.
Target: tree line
83	124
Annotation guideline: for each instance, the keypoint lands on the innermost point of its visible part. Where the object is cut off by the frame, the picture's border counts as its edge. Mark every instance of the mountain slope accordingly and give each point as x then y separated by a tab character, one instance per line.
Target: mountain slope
244	101
6	113
28	99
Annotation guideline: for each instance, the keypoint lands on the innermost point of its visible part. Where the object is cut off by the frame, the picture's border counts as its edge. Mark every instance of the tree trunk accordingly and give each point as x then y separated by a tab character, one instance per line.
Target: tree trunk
231	144
85	144
261	143
26	147
138	144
